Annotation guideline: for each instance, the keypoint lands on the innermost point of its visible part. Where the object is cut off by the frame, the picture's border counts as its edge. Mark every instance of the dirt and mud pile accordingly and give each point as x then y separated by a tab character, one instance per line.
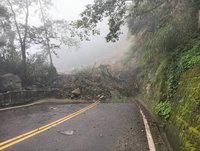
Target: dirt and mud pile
96	83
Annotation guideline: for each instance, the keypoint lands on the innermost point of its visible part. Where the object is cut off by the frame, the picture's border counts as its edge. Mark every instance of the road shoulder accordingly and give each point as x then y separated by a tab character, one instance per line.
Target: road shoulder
159	137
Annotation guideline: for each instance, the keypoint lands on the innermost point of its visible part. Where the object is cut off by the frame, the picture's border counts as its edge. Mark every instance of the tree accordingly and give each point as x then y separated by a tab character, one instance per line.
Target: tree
141	16
44	21
50	35
17	8
9	58
115	10
39	71
53	32
4	24
6	34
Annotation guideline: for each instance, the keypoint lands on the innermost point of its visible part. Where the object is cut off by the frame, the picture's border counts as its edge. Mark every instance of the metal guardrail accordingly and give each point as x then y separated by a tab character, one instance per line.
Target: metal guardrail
25	96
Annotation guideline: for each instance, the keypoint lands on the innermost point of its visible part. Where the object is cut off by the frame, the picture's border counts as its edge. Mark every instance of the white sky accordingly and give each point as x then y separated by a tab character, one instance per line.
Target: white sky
88	52
70	9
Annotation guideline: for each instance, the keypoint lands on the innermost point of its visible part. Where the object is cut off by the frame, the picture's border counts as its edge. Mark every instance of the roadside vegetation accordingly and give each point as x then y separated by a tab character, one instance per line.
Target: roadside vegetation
165	55
18	37
170	52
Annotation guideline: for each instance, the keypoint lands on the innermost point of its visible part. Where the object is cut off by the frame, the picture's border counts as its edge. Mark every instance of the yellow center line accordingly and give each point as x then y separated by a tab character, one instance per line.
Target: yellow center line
36	131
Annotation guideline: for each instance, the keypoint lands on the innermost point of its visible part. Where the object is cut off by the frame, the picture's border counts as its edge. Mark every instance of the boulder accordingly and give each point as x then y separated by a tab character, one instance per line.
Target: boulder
10	82
76	92
102	97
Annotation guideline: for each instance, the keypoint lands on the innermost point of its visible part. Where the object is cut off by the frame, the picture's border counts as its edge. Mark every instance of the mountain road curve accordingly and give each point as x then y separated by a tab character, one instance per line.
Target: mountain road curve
79	127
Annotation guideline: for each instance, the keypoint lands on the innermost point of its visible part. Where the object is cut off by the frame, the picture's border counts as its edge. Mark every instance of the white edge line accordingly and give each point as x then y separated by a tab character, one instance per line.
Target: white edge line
148	132
15	107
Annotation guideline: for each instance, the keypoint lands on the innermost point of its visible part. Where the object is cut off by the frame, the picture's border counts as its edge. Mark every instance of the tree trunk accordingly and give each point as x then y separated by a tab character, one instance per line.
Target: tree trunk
46	35
49	49
199	19
22	40
23	46
24	70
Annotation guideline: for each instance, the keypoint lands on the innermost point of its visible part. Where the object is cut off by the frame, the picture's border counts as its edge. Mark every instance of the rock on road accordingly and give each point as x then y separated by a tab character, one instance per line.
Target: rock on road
105	127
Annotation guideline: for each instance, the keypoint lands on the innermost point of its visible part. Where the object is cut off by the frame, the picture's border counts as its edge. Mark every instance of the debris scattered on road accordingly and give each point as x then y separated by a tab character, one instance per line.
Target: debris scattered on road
69	133
100	97
53	108
100	135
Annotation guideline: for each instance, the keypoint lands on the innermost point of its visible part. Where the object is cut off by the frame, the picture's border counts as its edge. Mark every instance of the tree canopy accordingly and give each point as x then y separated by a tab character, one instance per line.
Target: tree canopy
18	35
141	16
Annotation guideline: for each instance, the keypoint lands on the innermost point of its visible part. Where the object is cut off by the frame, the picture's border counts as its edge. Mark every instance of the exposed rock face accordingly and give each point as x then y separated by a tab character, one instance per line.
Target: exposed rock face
10	82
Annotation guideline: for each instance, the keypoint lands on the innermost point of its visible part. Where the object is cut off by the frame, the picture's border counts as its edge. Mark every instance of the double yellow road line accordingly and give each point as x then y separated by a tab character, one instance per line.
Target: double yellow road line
17	139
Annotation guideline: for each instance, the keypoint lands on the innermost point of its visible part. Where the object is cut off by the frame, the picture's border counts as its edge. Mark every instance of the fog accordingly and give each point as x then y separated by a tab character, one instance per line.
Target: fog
89	52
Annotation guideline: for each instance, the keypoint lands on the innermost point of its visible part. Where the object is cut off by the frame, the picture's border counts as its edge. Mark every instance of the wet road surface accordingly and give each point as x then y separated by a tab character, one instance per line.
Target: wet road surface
104	127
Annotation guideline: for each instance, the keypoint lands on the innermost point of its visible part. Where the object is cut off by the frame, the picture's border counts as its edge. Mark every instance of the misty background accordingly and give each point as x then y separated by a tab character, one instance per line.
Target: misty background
92	52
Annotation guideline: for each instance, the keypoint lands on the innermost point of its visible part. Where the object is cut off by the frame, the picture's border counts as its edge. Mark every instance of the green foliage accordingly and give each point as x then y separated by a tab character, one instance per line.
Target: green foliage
186	109
9	61
175	33
170	48
190	58
17	35
163	32
40	73
180	62
163	109
114	10
176	78
145	16
116	97
159	71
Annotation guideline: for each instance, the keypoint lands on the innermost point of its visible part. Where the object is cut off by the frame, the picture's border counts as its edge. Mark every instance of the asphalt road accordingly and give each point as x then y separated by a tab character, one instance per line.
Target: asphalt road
104	127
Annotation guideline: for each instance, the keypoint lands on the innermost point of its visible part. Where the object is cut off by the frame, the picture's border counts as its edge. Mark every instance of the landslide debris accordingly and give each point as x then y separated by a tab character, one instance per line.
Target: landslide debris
100	83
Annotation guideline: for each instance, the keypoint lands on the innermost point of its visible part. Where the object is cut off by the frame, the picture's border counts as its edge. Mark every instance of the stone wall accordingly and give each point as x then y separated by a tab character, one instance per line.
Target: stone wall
10	82
25	96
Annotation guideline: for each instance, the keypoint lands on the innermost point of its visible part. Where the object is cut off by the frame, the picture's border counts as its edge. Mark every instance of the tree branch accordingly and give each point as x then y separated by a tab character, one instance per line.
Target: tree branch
46	34
16	24
26	23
